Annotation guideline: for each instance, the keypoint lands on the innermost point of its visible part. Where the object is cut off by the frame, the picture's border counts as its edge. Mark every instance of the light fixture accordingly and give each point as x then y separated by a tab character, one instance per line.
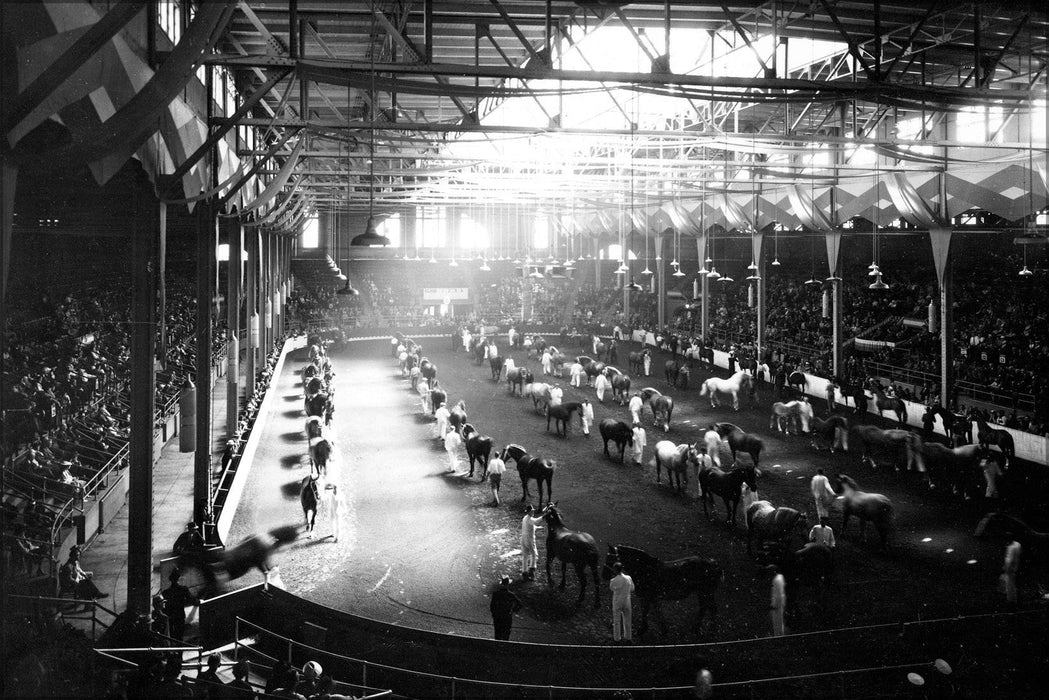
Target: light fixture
754	277
877	284
714	274
1026	272
874	270
371	236
622	269
775	261
726	278
752	265
678	273
453	263
536	274
634	286
484	266
812	281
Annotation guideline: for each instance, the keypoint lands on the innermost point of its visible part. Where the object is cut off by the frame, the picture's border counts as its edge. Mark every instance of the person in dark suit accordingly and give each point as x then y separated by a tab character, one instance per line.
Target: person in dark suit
503	606
176	598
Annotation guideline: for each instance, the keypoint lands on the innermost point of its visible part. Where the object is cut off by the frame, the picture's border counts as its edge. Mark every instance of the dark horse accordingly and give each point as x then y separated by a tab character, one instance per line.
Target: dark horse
873	507
561	415
319	405
728	485
457	416
677	373
655	579
617	431
771	524
496	363
517	378
988	436
437	397
889	403
576	548
739	441
478	447
528	467
428	370
309	498
1034	545
957	427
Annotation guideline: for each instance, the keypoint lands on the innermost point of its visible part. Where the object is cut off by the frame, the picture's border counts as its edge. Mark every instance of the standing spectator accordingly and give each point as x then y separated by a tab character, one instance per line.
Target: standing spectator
822	534
822	493
529	551
452	442
546	362
71	577
928	421
311	675
496	469
640	440
778	604
1009	568
159	621
335	504
503	606
992	471
622	587
587	417
635	406
612	355
832	390
176	598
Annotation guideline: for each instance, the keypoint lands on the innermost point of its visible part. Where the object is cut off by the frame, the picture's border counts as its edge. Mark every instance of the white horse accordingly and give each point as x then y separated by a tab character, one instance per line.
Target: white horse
731	386
792	411
713	441
543	394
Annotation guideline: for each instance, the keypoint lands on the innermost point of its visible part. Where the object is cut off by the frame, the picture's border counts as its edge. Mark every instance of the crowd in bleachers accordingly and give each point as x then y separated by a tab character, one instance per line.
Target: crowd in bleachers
67	409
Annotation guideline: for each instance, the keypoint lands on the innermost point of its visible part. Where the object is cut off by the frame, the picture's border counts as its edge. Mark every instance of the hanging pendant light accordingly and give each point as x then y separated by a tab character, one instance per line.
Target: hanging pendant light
484	266
622	269
678	273
874	270
634	286
1025	272
453	263
878	284
713	274
370	237
775	261
726	278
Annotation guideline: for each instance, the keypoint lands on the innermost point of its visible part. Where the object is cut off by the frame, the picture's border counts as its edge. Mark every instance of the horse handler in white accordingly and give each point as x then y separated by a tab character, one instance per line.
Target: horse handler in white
822	493
622	587
529	551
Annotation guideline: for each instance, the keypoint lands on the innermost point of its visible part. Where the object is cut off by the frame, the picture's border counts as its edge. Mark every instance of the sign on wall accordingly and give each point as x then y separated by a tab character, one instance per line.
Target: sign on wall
446	294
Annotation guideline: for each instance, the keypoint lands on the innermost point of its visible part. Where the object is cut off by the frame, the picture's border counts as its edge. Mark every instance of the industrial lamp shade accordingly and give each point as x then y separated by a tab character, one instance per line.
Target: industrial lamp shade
370	237
878	284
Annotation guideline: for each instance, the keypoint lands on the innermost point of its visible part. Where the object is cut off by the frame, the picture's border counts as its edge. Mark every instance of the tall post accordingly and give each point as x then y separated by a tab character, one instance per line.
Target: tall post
759	292
704	287
251	310
205	276
661	283
946	335
144	236
235	238
833	241
162	287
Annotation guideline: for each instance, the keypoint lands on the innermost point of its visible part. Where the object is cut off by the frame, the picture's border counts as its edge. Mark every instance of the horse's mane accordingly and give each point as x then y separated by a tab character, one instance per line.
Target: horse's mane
846	479
639	555
651	391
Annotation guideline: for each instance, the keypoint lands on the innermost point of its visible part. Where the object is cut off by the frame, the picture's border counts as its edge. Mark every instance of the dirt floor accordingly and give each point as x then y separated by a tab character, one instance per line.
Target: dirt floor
421	547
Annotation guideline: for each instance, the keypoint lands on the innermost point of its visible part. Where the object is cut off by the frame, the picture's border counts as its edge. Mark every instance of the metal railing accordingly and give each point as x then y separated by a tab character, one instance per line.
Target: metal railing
42	607
1001	399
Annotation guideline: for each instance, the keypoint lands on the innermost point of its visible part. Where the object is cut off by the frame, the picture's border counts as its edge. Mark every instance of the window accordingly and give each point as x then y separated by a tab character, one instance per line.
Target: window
311	233
391	228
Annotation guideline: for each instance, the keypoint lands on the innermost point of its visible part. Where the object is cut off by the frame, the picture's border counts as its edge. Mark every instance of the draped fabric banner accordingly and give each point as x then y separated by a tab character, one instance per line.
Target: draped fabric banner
208	194
734	213
278	182
909	203
756	239
806	210
940	237
833	241
281	207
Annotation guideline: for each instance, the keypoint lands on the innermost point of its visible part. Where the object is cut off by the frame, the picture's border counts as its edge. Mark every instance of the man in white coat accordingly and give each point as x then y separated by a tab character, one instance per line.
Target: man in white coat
452	442
636	405
443	415
601	386
822	493
546	362
578	373
640	440
622	589
778	604
587	417
529	550
1009	569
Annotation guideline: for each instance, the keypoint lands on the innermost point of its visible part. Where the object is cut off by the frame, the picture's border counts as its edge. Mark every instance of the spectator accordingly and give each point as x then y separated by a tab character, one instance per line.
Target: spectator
240	688
622	587
73	578
176	598
212	684
189	541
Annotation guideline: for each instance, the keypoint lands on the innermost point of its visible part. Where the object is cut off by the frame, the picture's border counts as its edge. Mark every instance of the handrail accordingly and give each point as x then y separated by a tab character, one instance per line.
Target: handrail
93	605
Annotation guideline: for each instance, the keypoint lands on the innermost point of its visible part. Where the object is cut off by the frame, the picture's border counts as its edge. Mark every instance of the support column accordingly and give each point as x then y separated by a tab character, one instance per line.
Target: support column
833	242
756	240
205	277
661	284
941	255
162	287
704	287
144	235
235	238
251	310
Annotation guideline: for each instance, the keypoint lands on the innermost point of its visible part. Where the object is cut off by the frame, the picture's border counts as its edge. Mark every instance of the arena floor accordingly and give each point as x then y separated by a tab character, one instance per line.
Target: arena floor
421	547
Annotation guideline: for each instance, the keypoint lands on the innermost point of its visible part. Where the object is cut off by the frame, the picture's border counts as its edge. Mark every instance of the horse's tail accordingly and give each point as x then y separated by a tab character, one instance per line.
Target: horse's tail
706	387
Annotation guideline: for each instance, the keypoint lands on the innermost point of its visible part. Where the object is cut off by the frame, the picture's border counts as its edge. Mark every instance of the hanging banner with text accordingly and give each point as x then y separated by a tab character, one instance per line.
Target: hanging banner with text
446	294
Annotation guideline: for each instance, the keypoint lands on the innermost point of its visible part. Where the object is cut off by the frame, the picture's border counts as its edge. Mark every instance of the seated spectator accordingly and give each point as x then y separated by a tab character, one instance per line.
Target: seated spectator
189	541
74	579
212	684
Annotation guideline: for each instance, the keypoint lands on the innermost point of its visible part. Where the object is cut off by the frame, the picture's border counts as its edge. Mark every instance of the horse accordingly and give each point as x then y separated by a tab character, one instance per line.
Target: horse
872	507
856	393
562	414
478	447
314	429
317	405
314	386
593	368
728	485
457	417
872	436
528	467
662	407
796	380
677	579
620	387
576	548
834	429
496	363
309	499
770	523
437	397
1034	545
890	403
956	426
676	371
617	431
987	436
739	441
676	459
517	379
545	394
320	453
636	360
731	386
783	414
812	565
428	370
479	351
958	466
